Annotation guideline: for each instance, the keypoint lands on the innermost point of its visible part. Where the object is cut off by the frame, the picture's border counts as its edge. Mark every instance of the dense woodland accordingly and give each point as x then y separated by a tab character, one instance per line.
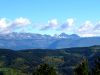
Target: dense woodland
69	61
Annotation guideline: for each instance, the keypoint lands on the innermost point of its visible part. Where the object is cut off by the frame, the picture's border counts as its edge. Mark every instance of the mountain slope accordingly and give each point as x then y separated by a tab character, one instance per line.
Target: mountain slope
63	59
18	41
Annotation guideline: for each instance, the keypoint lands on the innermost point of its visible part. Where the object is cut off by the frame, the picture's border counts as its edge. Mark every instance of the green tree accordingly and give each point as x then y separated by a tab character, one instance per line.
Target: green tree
1	73
82	68
45	69
96	70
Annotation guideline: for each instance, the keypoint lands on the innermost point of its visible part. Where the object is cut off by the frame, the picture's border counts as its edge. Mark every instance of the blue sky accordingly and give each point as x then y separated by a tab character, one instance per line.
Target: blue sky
51	16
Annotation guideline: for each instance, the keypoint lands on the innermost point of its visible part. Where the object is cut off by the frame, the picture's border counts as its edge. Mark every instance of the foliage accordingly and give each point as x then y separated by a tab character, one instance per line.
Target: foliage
45	69
10	71
23	62
82	68
96	70
1	73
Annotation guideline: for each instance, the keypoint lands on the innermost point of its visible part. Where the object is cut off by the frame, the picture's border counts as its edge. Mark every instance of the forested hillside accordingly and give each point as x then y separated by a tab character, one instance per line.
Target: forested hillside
25	62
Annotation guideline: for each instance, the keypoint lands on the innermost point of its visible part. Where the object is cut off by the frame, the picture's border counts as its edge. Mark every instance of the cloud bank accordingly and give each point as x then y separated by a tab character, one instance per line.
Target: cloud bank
52	24
8	26
85	29
67	25
89	29
3	23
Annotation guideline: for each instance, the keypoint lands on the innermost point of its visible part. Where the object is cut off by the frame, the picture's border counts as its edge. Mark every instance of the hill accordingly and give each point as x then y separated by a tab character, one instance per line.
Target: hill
64	60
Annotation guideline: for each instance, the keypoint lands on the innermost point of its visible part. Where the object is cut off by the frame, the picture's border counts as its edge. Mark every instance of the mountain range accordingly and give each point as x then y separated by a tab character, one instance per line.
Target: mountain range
19	41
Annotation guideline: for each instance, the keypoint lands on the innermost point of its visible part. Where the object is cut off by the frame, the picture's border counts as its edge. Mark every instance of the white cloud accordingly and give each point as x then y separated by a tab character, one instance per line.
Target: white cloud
87	26
52	24
22	21
7	26
70	22
88	29
3	23
68	25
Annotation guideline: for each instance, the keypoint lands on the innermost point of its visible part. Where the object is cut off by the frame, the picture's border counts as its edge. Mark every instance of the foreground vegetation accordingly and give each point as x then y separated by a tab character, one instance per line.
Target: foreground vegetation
70	61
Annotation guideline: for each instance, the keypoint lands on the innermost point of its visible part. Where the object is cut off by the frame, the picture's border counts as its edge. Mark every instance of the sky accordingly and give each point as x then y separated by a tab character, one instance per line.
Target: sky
80	17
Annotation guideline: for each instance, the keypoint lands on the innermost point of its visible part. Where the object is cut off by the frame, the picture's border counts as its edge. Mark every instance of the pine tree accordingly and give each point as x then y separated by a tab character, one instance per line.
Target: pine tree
45	69
1	73
82	68
96	70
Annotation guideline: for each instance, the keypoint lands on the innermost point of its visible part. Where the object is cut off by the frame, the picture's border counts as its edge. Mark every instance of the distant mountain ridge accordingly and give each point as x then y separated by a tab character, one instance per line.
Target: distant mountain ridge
15	35
64	35
37	41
